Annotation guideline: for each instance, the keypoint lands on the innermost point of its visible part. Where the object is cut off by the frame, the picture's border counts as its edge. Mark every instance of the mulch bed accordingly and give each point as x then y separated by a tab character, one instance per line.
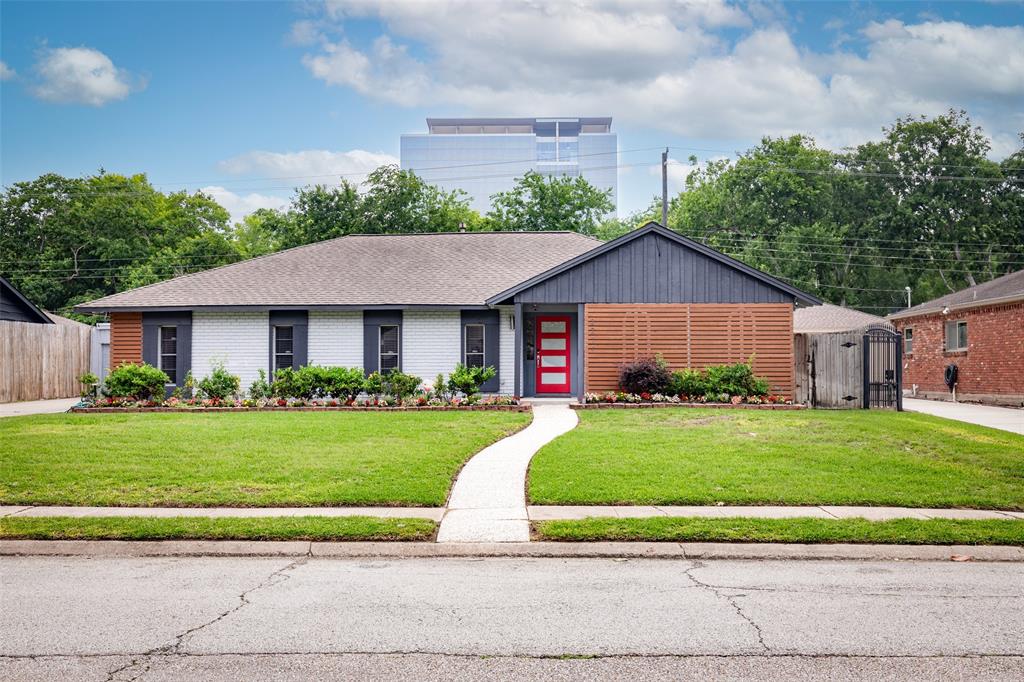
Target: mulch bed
340	408
730	406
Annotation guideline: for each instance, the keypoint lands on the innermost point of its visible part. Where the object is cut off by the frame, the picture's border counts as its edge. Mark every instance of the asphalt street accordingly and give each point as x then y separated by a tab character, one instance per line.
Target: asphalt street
258	618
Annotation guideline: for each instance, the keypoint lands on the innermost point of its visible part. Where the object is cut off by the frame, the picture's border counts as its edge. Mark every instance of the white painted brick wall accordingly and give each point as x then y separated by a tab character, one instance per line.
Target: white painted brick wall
507	351
240	340
336	338
431	343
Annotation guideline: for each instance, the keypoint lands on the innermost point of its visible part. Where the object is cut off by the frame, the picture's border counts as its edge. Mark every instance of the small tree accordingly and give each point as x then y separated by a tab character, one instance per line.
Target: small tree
89	382
260	389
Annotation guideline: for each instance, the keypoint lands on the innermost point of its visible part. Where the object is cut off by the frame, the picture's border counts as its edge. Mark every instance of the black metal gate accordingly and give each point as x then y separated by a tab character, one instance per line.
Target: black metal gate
883	369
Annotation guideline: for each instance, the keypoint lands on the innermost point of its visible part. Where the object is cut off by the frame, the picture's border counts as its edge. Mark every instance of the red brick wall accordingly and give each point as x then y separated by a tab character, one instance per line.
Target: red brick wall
993	362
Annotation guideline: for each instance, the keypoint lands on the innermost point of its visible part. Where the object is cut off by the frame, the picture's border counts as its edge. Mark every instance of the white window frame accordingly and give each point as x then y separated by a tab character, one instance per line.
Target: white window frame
908	341
955	325
465	344
161	355
274	368
380	347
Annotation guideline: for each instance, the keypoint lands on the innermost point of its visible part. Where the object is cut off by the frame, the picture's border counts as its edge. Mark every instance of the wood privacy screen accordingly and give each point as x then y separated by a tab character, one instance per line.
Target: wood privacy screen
42	361
691	335
125	338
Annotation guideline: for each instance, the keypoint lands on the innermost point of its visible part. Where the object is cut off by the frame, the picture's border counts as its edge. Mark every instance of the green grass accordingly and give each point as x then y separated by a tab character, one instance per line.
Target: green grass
899	531
242	459
852	457
205	528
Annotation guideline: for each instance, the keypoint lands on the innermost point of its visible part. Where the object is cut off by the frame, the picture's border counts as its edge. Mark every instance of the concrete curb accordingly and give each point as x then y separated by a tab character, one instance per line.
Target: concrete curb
566	550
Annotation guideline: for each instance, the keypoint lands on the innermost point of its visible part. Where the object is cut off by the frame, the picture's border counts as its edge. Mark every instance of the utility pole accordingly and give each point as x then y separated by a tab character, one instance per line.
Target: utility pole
664	187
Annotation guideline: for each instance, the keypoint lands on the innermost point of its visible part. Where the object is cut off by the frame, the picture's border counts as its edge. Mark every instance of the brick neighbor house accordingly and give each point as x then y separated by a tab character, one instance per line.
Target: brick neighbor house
980	330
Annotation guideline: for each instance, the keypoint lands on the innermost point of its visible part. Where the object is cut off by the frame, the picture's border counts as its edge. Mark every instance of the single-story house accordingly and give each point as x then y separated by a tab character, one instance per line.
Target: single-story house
556	313
978	329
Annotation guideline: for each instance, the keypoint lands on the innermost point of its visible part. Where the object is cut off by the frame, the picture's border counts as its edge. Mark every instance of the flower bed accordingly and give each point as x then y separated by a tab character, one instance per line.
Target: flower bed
108	405
627	400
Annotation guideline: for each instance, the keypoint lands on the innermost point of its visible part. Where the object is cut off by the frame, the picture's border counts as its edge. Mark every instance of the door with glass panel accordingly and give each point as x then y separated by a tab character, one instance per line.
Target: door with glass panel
553	354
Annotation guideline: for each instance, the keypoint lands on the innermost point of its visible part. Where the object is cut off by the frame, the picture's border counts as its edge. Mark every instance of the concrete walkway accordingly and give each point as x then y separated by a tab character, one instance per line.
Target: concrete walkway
36	407
1004	418
488	501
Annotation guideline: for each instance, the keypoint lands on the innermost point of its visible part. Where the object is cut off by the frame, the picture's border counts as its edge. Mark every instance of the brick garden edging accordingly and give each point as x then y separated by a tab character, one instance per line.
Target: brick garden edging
729	406
310	408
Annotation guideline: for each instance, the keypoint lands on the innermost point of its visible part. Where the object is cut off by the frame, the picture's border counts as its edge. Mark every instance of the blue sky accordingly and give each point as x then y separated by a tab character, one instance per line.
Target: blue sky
251	99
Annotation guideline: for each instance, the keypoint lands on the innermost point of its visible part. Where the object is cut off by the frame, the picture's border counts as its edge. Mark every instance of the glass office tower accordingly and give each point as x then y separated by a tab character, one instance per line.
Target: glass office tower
483	156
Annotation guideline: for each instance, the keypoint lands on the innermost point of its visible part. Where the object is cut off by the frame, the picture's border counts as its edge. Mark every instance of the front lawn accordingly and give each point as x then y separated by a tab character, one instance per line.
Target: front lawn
254	459
317	528
679	456
690	529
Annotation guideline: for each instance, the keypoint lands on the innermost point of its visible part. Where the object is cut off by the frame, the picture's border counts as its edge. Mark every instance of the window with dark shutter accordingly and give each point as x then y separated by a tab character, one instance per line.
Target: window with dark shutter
389	345
169	353
284	348
474	344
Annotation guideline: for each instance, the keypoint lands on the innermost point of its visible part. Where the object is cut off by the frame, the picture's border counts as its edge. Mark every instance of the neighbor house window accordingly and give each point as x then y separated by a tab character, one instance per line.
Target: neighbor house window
956	335
284	347
474	344
389	345
169	353
908	340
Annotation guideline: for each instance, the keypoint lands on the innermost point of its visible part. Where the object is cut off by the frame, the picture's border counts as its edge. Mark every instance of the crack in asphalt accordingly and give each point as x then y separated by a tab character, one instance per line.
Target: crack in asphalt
731	599
174	649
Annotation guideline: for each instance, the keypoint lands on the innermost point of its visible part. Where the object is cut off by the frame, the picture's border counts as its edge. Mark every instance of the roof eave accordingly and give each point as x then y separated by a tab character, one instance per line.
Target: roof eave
981	303
33	308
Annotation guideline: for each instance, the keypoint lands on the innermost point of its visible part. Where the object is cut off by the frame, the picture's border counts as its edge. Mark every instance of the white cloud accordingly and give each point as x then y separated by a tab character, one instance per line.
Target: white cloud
81	75
308	166
6	71
665	66
239	205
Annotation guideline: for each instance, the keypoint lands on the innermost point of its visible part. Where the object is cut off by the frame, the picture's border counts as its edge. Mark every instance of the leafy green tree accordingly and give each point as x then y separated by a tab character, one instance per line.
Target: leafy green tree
539	202
68	240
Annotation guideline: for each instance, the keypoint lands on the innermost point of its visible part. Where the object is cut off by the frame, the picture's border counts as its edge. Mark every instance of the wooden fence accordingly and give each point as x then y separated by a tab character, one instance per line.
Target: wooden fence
689	335
829	368
41	361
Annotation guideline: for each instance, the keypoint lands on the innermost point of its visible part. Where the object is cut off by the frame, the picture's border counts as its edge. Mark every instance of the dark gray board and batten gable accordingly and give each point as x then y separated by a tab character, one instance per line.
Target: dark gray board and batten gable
653	265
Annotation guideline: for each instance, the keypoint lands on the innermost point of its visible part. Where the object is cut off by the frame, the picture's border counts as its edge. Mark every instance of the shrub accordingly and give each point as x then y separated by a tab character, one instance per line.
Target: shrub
440	387
688	382
140	382
220	384
374	384
260	389
285	384
344	383
400	384
650	375
468	380
737	379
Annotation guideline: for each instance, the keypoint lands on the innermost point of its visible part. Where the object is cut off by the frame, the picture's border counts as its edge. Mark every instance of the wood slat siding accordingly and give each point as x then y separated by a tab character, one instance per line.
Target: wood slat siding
125	338
42	361
689	335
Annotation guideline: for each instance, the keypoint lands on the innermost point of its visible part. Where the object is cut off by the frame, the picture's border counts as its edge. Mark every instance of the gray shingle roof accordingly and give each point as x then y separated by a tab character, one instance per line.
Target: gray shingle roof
820	319
440	269
1007	286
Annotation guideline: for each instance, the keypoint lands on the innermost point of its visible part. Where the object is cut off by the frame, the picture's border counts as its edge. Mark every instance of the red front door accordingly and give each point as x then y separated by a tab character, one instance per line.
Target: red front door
553	370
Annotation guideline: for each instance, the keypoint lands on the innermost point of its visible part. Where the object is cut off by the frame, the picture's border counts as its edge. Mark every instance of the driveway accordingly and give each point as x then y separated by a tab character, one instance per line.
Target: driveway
36	407
1004	418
